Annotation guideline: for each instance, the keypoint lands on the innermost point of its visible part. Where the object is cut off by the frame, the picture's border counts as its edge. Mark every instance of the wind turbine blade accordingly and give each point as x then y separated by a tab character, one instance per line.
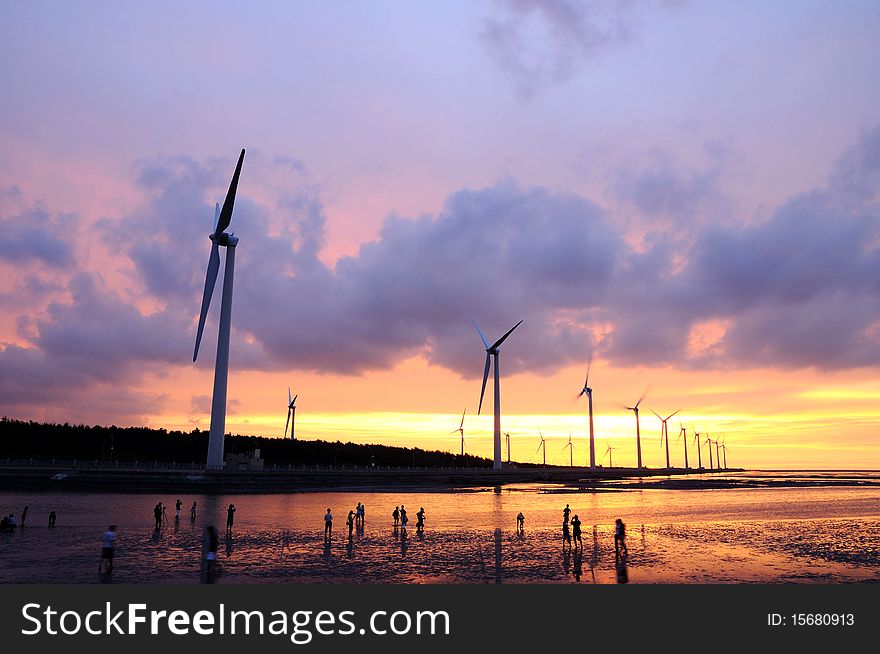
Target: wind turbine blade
462	419
498	343
210	280
216	215
670	415
485	378
589	365
289	399
286	424
294	399
656	414
482	335
644	394
226	211
539	447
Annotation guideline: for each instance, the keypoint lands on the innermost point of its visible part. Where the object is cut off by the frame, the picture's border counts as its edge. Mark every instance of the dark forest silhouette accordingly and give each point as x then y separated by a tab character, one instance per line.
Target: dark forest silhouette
28	439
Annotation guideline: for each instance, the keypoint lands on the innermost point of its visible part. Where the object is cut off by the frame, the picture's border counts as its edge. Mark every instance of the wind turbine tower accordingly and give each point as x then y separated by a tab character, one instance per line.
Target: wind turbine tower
709	441
221	365
570	447
635	409
291	414
589	393
461	431
492	353
542	445
608	452
664	432
682	434
697	442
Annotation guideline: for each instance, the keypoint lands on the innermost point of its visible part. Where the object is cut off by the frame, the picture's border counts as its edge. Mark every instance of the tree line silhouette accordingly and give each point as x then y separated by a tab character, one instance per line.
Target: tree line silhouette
29	439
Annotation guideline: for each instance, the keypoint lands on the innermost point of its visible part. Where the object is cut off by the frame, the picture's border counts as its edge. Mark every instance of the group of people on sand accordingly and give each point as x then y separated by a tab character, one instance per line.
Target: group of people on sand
402	520
8	523
161	517
572	536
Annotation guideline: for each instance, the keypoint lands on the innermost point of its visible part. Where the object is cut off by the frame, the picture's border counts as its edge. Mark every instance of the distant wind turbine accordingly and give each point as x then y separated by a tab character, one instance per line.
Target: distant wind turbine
709	441
461	431
570	447
718	453
664	432
542	445
221	365
609	452
291	414
492	352
682	434
507	436
724	449
589	393
697	442
635	409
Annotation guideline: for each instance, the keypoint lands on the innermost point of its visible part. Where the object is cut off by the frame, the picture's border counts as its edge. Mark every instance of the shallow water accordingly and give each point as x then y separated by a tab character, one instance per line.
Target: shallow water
813	534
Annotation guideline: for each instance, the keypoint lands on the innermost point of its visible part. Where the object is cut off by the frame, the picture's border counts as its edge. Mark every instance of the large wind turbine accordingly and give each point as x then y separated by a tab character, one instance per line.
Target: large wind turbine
221	366
570	447
492	352
461	431
544	445
697	442
683	435
291	415
589	393
664	432
635	409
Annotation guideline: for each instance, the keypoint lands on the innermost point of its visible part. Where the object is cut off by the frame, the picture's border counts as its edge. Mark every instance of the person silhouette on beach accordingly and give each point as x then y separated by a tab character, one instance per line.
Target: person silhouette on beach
211	541
361	513
566	534
520	522
420	519
328	525
192	513
177	510
105	565
157	513
24	516
230	517
52	518
396	515
565	513
620	538
350	522
403	518
164	515
576	531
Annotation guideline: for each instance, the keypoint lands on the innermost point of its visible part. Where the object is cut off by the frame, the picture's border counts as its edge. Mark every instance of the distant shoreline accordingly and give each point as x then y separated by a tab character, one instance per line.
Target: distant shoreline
47	478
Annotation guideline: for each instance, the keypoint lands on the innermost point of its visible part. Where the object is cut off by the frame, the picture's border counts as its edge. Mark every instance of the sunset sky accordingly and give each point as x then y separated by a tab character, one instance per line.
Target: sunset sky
689	189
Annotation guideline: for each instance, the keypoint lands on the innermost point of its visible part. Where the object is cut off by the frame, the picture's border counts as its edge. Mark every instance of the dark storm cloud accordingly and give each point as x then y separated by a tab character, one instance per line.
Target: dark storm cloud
33	235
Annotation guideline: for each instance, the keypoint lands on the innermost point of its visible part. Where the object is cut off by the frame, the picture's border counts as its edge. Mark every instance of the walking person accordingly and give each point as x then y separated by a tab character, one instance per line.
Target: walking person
520	522
157	513
566	534
350	522
403	518
192	513
177	510
362	513
230	518
565	513
420	519
24	516
105	565
396	515
620	538
328	525
576	532
52	518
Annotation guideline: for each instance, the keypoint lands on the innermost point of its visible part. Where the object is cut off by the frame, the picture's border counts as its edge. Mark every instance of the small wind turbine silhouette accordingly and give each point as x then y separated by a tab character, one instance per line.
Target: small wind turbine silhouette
682	434
718	454
609	452
492	353
709	441
635	409
291	414
664	432
589	393
507	436
724	449
542	445
697	442
221	365
461	431
570	447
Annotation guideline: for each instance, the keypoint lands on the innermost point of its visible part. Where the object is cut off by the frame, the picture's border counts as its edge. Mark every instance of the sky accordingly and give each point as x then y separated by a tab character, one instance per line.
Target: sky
687	190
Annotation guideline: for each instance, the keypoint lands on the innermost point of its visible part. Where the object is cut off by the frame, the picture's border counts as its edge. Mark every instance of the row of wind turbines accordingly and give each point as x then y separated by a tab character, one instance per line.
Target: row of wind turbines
215	459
